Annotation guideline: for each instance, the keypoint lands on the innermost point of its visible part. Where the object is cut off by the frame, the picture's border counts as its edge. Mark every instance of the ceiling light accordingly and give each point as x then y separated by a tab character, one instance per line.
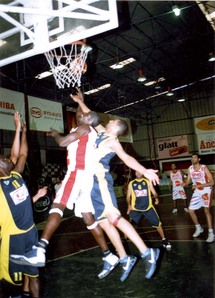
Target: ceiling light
181	99
2	42
43	75
211	57
97	89
120	64
117	66
176	10
150	83
170	93
141	77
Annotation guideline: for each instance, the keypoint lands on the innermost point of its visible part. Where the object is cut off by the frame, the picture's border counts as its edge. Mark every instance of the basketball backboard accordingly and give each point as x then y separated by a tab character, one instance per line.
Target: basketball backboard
30	27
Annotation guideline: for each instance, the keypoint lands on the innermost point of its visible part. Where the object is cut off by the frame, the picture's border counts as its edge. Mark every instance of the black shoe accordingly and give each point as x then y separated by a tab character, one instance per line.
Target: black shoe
166	244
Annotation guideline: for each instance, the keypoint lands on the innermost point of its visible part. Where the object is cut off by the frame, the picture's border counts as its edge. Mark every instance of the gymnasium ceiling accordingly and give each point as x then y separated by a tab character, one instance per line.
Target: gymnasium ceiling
163	45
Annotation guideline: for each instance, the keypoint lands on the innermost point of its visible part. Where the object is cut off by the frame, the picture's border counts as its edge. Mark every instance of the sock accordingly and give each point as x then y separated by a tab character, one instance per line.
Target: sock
210	231
146	253
25	294
43	243
124	260
106	252
198	226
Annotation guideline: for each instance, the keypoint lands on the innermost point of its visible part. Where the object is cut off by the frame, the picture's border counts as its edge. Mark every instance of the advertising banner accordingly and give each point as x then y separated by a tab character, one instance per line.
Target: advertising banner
45	115
205	132
176	146
10	102
206	143
204	124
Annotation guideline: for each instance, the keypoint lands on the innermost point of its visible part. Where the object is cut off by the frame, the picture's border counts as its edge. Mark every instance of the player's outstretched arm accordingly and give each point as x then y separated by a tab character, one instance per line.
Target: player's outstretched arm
16	141
132	163
20	165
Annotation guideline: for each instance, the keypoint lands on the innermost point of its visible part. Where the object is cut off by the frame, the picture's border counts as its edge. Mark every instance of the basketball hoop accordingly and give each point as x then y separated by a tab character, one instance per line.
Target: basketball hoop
68	63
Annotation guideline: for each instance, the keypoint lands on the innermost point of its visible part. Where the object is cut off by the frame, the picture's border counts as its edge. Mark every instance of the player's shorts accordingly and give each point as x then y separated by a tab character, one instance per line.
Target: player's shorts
103	197
150	214
17	244
201	198
75	189
178	192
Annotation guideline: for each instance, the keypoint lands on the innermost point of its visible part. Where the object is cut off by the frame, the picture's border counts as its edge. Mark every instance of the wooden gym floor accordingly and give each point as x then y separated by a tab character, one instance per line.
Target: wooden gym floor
74	260
187	271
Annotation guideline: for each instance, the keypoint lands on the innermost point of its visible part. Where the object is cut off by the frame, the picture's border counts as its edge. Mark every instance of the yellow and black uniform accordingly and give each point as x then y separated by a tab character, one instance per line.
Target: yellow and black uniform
18	230
141	202
102	194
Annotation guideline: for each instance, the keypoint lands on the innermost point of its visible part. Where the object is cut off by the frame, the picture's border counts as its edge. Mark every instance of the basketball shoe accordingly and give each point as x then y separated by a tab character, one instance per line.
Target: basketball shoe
110	262
198	231
150	257
166	244
35	257
211	237
127	266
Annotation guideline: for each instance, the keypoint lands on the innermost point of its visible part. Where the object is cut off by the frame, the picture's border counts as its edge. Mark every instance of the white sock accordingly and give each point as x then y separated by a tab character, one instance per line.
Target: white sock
210	231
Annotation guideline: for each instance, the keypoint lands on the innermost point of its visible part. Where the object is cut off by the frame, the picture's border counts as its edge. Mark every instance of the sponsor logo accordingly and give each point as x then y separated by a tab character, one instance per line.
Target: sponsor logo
152	261
42	204
7	105
36	112
206	124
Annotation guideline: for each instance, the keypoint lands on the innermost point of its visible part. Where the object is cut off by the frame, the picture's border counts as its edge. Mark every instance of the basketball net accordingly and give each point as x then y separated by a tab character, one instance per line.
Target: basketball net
68	63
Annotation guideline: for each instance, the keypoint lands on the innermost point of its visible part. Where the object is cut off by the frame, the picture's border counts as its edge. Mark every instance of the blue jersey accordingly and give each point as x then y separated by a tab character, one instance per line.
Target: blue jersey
17	226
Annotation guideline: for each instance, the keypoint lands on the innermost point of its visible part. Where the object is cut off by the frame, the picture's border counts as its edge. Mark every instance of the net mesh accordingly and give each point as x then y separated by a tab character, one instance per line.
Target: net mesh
68	64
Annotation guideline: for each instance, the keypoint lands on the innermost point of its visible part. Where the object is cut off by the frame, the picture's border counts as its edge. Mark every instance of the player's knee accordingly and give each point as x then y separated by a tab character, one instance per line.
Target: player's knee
93	226
56	210
116	221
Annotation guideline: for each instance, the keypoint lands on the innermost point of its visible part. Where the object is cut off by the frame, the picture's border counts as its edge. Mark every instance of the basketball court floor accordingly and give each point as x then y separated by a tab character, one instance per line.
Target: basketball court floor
74	260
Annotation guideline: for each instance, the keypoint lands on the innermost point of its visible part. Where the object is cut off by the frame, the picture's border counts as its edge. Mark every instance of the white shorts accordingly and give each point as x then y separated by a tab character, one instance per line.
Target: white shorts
76	189
178	193
201	198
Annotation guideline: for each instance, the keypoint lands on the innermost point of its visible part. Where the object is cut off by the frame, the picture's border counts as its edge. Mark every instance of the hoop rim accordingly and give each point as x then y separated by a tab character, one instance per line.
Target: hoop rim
78	42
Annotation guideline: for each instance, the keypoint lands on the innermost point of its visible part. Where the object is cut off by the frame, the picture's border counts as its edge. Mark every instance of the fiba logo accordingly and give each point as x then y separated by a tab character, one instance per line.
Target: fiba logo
42	204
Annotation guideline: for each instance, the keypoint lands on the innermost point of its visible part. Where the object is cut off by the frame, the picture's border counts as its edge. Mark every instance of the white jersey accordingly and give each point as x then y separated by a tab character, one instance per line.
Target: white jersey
80	153
176	177
177	188
198	176
202	196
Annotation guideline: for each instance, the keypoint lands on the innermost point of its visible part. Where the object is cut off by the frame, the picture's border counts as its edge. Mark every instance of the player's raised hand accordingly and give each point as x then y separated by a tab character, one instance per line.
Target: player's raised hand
77	96
152	176
17	121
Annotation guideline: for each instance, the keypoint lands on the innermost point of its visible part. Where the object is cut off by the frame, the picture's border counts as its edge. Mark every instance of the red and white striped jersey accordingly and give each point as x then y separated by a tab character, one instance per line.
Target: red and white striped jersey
80	154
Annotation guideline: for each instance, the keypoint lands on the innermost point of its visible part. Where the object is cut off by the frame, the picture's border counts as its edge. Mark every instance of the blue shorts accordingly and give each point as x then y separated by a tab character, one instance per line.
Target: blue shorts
17	244
103	196
150	214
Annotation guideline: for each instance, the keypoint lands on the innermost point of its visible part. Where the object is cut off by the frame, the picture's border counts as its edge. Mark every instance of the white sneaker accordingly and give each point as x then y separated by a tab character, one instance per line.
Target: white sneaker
198	231
110	262
174	210
211	238
35	257
185	209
